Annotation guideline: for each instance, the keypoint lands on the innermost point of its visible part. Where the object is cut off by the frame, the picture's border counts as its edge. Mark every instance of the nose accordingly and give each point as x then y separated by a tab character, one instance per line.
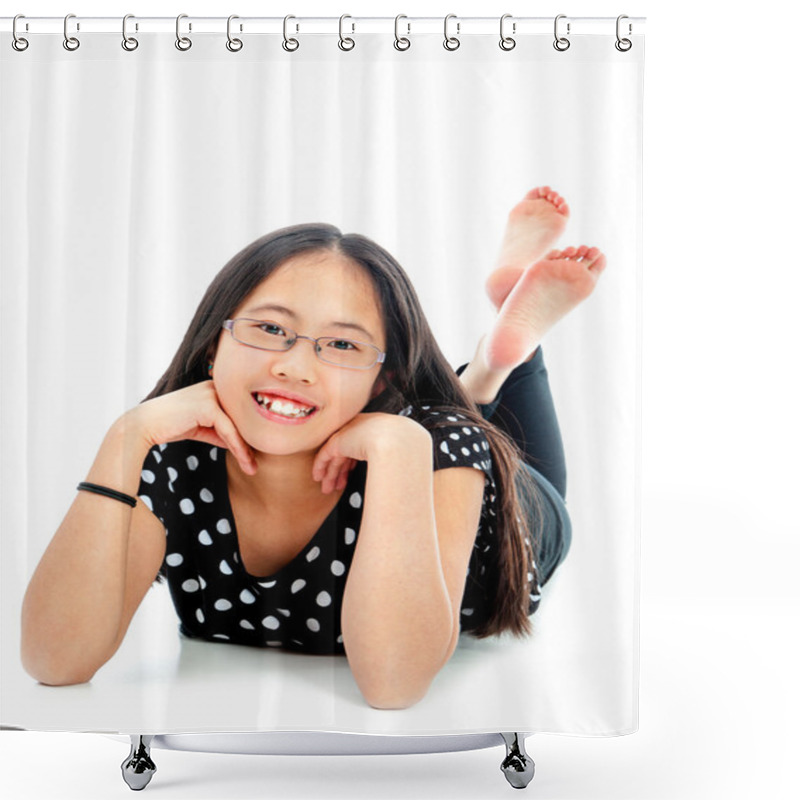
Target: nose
299	362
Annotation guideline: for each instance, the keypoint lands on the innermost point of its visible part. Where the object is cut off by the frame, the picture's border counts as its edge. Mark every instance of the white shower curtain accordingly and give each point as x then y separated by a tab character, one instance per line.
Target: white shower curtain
130	178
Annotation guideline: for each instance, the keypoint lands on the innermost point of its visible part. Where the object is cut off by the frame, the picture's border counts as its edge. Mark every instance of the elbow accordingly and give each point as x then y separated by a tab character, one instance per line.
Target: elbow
393	697
50	670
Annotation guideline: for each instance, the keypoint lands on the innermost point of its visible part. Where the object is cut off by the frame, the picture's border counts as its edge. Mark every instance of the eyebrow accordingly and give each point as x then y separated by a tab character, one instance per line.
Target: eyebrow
292	315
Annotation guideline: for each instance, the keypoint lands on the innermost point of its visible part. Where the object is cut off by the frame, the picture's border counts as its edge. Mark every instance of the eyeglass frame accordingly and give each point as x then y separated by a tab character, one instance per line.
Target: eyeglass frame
228	326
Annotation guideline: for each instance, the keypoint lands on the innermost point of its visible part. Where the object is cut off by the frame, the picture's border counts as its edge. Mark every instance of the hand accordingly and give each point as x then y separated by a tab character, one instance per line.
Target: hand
193	412
358	440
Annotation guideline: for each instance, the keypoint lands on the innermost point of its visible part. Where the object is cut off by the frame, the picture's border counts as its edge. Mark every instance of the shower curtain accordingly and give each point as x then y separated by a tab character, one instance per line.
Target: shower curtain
131	174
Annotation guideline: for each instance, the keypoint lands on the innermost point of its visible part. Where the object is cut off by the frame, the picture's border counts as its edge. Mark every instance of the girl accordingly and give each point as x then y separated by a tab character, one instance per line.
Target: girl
313	475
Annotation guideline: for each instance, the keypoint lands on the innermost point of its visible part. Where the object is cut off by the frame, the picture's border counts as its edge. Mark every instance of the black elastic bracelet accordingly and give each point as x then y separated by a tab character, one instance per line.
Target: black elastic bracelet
106	492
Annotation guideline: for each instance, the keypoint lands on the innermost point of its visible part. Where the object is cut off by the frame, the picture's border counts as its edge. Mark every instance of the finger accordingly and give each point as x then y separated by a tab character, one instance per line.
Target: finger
241	451
331	476
344	473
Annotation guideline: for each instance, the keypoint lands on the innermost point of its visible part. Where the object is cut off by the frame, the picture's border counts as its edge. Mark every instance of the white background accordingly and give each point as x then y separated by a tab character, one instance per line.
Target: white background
719	616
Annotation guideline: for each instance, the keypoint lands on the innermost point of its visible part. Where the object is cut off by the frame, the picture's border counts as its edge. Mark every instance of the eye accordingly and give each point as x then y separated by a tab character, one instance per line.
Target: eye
271	328
343	344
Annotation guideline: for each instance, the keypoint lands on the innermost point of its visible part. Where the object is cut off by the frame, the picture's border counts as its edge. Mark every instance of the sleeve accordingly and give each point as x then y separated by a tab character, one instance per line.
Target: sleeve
154	482
460	444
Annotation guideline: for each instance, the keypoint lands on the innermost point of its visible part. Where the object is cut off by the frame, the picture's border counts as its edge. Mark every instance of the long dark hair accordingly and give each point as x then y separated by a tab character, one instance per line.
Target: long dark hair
415	372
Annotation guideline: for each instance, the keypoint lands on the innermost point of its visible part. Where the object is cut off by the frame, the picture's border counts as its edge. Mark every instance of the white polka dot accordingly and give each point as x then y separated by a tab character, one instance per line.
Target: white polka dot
173	473
313	625
220	636
192	462
267	584
246	625
146	500
273	623
349	536
297	585
312	554
204	537
285	612
453	419
162	447
223	605
452	457
467	612
206	496
200	616
337	568
476	447
148	476
323	599
355	500
465	451
187	506
157	456
203	584
444	448
223	526
190	586
339	639
213	453
174	559
246	596
171	488
467	431
455	436
225	567
273	643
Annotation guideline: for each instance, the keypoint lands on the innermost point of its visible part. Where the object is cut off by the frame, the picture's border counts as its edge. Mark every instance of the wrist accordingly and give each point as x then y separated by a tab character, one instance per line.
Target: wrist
402	438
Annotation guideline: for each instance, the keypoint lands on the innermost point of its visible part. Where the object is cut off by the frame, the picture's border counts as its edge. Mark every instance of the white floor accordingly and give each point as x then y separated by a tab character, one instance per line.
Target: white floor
719	702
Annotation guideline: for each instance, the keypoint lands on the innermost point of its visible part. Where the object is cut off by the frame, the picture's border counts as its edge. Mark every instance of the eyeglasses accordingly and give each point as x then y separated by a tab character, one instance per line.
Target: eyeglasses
267	335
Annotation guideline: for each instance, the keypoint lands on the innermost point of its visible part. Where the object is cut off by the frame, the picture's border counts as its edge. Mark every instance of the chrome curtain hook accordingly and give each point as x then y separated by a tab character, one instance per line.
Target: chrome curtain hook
290	45
128	42
182	42
234	45
18	43
401	43
561	43
346	43
70	42
451	42
506	42
623	45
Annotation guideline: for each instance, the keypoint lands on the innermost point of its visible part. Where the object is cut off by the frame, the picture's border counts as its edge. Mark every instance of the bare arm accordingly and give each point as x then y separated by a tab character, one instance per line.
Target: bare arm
73	607
401	608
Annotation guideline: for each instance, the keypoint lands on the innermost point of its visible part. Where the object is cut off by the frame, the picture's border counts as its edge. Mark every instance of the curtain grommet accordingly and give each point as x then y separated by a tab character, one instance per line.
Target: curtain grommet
561	43
19	43
451	42
401	43
623	45
129	43
233	45
70	42
183	43
506	42
289	44
345	42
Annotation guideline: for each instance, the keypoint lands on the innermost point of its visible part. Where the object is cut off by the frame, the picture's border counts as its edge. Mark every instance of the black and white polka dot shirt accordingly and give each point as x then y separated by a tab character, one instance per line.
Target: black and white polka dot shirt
299	607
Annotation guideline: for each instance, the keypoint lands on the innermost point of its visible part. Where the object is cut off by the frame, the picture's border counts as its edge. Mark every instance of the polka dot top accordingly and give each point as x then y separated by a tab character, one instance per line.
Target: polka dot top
185	484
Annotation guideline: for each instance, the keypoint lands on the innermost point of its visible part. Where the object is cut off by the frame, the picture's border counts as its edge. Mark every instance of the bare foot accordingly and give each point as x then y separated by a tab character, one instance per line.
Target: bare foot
544	293
533	226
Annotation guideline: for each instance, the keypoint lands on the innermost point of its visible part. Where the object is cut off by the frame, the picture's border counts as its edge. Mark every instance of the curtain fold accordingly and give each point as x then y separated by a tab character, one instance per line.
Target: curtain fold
130	179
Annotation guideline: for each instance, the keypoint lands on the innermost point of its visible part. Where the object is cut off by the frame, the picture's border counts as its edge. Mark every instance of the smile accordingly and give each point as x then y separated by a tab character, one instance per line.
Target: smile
283	408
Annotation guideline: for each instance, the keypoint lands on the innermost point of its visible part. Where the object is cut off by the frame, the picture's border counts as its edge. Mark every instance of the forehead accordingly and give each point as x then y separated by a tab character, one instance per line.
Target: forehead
320	287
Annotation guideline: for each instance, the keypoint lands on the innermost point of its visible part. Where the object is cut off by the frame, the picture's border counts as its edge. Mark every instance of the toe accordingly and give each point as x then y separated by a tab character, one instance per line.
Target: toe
582	251
598	264
569	252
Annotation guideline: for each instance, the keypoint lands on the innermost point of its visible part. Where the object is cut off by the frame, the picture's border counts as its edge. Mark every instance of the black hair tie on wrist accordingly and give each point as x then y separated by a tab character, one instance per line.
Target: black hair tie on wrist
106	492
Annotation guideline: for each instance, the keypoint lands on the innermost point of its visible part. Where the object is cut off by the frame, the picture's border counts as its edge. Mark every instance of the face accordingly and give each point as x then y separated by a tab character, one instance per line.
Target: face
314	294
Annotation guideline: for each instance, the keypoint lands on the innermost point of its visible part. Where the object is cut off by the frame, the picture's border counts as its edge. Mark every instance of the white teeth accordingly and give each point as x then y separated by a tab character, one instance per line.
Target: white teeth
283	407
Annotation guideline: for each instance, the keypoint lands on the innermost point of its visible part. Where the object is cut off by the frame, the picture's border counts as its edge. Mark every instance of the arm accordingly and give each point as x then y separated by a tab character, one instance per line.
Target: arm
401	608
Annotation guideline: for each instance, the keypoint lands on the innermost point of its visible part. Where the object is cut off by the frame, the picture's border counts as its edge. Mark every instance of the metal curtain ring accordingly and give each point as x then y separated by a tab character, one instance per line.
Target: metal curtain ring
234	45
561	43
70	42
451	42
290	45
182	42
623	45
401	43
18	43
128	42
506	42
346	43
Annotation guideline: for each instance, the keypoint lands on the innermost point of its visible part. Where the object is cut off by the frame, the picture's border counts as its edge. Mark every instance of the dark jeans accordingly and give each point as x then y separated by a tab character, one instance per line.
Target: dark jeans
524	410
